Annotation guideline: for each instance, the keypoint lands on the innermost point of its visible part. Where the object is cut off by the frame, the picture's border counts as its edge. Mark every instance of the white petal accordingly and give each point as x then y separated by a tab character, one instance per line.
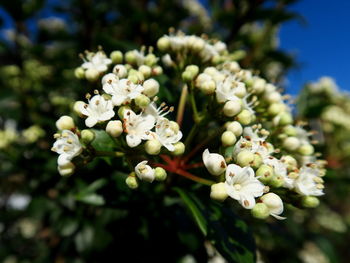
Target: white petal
132	140
90	121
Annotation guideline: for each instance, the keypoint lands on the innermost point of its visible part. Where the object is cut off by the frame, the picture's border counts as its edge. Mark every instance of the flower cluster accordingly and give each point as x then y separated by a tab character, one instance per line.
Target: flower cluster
242	125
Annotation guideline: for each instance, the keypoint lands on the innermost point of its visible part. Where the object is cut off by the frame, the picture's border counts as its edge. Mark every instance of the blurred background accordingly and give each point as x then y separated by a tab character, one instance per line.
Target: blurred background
86	218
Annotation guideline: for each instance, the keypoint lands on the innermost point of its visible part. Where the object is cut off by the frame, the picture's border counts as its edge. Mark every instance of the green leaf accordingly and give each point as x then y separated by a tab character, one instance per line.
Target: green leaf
229	234
102	141
91	199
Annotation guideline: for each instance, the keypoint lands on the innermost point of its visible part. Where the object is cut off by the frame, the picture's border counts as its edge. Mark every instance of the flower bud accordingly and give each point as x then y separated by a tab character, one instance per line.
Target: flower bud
114	128
157	71
193	69
310	201
274	204
259	85
79	73
174	126
198	44
291	143
276	181
257	161
228	138
208	87
276	108
144	172
131	181
150	60
145	70
240	91
130	57
160	174
116	57
179	149
87	136
265	173
290	162
151	87
245	117
120	71
215	163
235	127
187	76
245	158
163	43
273	97
218	192
306	149
232	108
290	130
121	111
65	123
135	76
92	74
153	147
67	169
260	211
285	118
142	101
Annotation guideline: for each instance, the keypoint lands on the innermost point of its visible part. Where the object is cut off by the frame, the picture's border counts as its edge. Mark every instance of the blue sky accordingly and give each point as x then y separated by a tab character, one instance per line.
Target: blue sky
322	45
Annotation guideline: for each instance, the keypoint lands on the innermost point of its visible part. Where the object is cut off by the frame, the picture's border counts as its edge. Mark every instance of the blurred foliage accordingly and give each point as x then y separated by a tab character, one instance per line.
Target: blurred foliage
46	218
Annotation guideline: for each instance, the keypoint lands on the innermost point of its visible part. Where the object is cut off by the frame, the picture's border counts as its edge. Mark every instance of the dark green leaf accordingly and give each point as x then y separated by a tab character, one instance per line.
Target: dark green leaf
91	199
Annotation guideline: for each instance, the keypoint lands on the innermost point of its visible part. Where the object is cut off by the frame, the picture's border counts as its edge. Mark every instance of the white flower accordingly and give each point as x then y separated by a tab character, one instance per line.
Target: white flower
122	91
215	163
97	61
67	146
144	172
109	78
242	185
226	90
138	127
158	113
306	182
167	134
274	204
280	169
98	109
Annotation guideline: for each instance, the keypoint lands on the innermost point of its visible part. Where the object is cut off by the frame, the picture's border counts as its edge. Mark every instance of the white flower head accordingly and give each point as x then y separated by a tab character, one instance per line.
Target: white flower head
68	146
242	185
226	89
122	91
215	163
166	134
306	183
158	113
98	110
144	171
138	127
97	61
280	169
274	203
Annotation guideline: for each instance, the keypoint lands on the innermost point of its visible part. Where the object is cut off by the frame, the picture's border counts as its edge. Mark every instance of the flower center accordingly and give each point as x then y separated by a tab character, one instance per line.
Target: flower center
237	187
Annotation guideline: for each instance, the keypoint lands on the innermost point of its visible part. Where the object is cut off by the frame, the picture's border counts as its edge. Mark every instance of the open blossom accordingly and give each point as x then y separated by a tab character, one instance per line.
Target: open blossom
157	113
226	89
274	203
98	109
138	127
280	169
306	182
97	61
166	134
122	91
145	172
242	185
215	163
67	146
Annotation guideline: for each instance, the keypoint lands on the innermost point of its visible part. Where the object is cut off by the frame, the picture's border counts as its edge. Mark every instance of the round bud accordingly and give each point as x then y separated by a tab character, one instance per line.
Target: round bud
145	70
259	85
131	181
134	78
163	43
121	111
260	211
130	57
212	71
218	192
157	70
198	44
194	69
151	87
273	202
87	136
276	108
290	162
187	76
67	169
65	123
92	74
273	97
285	119
257	161
120	70
160	174
150	60
153	147
208	87
245	117
306	149
232	108
293	175
289	130
142	101
240	91
235	127
174	126
245	158
265	173
116	57
228	138
78	105
291	143
276	181
179	149
79	73
114	128
310	201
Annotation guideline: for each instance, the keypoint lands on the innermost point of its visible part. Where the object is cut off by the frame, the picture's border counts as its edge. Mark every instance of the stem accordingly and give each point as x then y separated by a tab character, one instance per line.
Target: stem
193	177
192	133
182	104
194	107
107	153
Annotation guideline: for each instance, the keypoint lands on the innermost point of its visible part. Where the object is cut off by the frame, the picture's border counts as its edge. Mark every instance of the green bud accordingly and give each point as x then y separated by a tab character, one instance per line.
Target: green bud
208	87
142	101
228	138
153	147
257	161
92	74
145	71
290	130
130	57
265	173
193	69
65	123
285	119
87	136
114	128
232	108
151	60
260	211
116	57
245	158
187	76
235	127
306	149
157	70
310	201
160	174
121	111
276	181
245	117
131	181
163	43
291	143
218	192
79	73
151	87
290	162
275	108
179	148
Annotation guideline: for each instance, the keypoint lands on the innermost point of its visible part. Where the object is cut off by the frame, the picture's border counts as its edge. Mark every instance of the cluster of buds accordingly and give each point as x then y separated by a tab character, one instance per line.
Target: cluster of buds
262	160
